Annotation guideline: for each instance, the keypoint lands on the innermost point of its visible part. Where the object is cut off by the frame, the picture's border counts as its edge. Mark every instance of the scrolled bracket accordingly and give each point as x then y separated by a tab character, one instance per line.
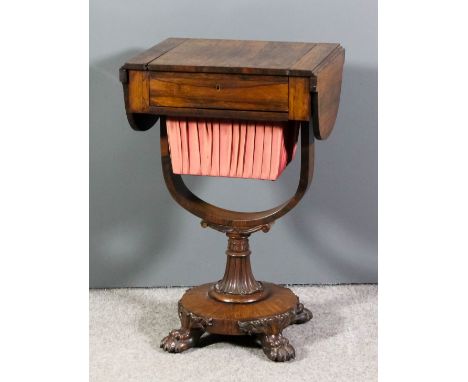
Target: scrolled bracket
191	321
268	325
275	324
242	231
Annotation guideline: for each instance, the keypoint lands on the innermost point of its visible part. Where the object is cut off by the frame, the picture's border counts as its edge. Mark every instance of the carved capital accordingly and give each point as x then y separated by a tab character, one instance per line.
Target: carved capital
238	245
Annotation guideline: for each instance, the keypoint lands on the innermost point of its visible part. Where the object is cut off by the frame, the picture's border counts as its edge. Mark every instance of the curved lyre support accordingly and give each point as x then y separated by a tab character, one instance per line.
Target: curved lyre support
227	220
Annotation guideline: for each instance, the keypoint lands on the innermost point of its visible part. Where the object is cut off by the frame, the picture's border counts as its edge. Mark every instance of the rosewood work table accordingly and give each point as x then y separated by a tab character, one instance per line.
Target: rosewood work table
235	108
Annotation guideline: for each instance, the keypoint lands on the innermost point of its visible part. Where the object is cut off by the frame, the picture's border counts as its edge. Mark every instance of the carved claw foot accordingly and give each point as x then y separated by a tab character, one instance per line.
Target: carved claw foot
180	340
301	314
188	335
277	348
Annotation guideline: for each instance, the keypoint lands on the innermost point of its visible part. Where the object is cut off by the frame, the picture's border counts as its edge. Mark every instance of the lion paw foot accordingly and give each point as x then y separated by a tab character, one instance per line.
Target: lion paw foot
179	340
301	314
277	348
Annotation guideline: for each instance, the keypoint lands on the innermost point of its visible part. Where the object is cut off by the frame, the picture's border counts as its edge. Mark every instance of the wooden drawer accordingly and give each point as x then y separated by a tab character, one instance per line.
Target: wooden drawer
219	91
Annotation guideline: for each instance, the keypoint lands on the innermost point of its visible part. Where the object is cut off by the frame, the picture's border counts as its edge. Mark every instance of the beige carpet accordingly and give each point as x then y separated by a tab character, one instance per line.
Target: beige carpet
338	344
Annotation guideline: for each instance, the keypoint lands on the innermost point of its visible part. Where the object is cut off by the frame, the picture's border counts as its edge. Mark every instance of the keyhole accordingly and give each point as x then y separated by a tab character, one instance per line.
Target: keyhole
218	87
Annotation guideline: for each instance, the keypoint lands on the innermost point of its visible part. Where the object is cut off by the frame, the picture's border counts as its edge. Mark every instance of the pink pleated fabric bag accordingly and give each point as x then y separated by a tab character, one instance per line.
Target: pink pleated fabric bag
238	149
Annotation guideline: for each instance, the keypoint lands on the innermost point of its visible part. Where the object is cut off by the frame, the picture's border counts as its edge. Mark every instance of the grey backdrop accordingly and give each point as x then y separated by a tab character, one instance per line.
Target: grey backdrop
140	237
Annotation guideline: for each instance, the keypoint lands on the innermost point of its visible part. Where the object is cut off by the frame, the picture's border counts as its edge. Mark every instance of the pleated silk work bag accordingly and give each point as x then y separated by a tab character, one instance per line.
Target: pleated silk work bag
238	149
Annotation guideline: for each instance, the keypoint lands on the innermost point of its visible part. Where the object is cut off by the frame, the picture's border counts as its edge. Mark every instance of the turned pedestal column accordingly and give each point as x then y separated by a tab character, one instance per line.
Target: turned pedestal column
238	305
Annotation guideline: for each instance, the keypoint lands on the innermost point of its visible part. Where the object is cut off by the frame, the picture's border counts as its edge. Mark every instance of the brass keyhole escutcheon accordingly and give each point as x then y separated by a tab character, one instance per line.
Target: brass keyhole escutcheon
218	87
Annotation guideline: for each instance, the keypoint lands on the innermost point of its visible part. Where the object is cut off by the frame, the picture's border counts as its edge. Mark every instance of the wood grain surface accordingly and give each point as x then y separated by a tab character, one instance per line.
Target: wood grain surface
140	61
232	56
219	91
326	98
138	91
299	99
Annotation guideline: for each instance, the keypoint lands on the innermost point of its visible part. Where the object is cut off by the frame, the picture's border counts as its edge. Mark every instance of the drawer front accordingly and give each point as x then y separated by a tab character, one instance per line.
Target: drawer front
219	91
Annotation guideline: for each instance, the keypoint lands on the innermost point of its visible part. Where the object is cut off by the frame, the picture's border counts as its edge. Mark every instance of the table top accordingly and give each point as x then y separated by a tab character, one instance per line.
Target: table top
235	56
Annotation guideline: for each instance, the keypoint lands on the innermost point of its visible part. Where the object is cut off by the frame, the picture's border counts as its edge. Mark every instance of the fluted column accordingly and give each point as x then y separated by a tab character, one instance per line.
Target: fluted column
238	283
